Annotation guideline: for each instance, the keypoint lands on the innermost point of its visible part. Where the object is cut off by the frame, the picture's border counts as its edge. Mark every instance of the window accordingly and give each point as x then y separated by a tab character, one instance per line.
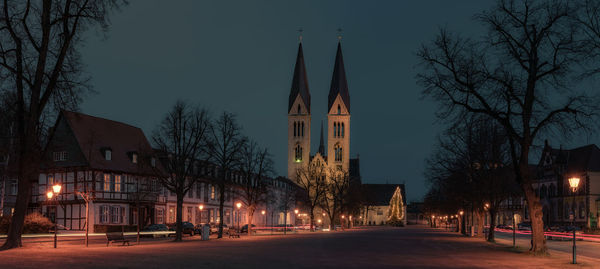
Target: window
117	186
134	158
191	192
212	192
298	153
115	216
581	210
50	180
299	110
108	154
343	129
106	182
13	187
104	214
189	214
302	129
339	109
335	129
60	156
295	129
338	153
171	214
160	215
198	190
153	162
379	212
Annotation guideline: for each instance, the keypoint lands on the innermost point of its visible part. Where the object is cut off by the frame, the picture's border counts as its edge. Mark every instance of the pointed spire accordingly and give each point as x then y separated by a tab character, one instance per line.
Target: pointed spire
339	85
299	82
321	144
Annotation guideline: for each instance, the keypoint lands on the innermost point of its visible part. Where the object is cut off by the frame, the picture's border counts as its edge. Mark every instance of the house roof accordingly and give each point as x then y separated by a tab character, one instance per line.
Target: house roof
585	158
381	194
299	82
94	135
339	84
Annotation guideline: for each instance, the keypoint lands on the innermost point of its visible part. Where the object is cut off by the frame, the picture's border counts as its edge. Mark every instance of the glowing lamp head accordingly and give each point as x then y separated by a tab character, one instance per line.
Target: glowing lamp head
238	205
574	182
296	211
50	195
56	188
461	212
201	207
263	212
487	205
343	216
323	214
319	221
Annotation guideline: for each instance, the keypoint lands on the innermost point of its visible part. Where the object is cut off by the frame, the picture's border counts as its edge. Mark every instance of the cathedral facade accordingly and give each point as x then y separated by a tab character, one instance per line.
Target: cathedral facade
336	154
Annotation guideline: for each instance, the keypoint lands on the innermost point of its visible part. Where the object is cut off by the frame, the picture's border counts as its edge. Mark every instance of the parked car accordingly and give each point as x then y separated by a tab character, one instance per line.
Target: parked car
214	228
524	227
155	228
245	228
188	228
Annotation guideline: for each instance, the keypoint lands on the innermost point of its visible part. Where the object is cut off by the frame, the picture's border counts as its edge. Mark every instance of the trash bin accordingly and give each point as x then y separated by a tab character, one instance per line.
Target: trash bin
205	231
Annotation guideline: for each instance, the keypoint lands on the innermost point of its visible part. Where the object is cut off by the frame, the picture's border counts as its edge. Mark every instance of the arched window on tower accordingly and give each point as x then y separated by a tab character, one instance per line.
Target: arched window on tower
334	129
294	129
299	109
339	109
338	153
302	129
343	129
298	153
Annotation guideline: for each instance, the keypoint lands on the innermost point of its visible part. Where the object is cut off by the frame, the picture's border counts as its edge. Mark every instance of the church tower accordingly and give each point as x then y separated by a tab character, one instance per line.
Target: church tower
338	116
298	118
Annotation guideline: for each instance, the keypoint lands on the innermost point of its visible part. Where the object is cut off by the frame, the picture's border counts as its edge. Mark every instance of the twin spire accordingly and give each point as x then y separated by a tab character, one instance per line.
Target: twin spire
339	84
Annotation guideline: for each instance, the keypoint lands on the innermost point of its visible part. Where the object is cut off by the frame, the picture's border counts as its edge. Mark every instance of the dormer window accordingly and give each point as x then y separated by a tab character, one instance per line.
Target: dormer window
299	110
339	109
59	156
153	162
134	158
108	154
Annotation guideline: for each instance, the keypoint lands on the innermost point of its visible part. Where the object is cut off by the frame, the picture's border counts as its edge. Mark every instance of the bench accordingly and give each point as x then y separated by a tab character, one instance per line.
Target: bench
233	233
116	237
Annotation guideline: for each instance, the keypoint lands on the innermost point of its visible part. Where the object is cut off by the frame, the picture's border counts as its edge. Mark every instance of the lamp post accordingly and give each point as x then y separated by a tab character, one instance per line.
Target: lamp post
54	195
238	205
264	214
574	183
462	222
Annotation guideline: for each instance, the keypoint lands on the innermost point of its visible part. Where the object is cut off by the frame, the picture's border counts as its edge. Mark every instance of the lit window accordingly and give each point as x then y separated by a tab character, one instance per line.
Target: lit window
106	182
134	158
212	192
298	153
338	153
117	187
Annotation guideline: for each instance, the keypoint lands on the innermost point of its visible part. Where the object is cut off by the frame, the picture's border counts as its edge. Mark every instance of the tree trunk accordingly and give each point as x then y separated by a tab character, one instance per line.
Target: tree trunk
87	220
251	210
221	205
27	172
492	225
480	218
538	241
139	220
312	220
178	226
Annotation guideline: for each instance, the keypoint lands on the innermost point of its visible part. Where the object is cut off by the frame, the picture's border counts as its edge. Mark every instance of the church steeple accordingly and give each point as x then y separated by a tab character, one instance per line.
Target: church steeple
321	144
299	82
339	85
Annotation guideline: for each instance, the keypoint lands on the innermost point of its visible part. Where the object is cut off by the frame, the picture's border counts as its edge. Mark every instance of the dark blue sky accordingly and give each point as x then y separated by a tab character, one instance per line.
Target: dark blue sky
239	56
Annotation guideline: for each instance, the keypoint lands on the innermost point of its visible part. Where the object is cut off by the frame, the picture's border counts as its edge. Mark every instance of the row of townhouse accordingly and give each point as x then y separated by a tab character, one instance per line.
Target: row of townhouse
101	163
560	205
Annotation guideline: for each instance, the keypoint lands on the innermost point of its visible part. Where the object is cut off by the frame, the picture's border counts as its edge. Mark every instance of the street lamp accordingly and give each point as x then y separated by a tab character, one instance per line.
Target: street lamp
263	213
201	207
54	194
296	211
238	205
574	183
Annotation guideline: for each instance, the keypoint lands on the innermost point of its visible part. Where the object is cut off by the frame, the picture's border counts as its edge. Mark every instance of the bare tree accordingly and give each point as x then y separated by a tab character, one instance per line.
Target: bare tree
312	178
255	166
520	76
334	202
40	65
224	149
181	140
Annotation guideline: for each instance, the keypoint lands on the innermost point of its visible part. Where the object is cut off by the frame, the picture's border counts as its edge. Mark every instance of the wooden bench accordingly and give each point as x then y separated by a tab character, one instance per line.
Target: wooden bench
233	233
116	237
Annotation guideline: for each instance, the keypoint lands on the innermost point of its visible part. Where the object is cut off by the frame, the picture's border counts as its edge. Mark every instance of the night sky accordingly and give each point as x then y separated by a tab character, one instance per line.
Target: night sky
239	56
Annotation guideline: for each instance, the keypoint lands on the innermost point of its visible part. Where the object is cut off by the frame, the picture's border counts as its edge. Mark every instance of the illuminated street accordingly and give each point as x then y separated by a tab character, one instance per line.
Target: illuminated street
377	247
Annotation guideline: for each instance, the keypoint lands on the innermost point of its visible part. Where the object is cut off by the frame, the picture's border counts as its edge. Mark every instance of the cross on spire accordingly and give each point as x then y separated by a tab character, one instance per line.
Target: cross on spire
339	34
